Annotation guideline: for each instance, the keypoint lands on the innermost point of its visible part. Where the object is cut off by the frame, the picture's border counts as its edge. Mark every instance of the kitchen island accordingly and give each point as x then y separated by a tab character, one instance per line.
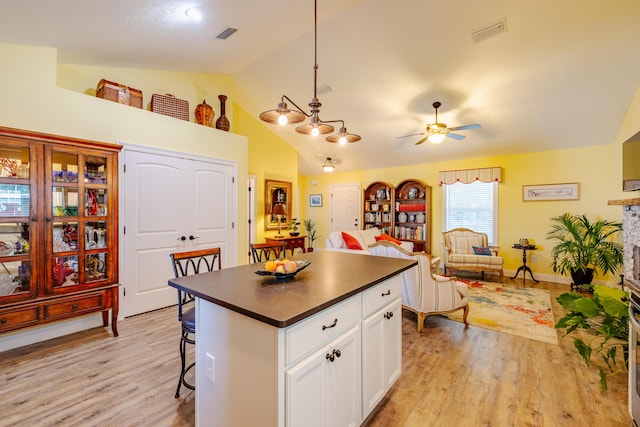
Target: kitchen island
319	349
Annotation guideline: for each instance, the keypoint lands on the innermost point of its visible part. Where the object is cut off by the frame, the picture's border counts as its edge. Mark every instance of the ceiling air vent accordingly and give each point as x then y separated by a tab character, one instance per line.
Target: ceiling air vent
226	33
490	30
324	89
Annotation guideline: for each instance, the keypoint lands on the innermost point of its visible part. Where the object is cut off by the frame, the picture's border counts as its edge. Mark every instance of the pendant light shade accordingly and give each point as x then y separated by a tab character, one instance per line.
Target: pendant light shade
308	129
284	115
343	137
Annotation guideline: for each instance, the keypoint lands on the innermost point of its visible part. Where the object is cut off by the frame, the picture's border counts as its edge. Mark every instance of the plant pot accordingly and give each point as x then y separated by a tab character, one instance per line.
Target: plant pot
581	278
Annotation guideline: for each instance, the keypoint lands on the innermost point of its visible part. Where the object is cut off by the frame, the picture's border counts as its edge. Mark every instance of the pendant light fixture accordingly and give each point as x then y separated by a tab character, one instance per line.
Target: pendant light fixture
284	115
328	165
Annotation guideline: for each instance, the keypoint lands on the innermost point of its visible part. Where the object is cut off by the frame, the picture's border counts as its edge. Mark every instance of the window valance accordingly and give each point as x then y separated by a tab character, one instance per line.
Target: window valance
467	176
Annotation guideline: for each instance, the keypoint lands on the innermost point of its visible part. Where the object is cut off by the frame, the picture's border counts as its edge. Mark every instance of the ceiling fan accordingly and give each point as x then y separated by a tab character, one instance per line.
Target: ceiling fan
436	132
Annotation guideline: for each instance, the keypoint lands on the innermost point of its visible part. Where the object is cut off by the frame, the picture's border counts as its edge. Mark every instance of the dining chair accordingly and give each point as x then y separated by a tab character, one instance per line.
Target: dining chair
186	264
262	252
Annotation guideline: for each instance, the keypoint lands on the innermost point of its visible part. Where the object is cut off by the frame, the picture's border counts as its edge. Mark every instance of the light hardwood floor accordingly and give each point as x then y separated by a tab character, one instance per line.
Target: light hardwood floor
451	377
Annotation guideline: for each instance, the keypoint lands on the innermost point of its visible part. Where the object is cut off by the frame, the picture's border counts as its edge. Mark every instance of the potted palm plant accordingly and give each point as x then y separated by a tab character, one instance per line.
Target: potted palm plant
312	235
584	247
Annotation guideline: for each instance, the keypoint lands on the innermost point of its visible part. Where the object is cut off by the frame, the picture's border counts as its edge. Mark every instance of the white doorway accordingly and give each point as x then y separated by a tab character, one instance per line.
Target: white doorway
253	225
171	202
345	206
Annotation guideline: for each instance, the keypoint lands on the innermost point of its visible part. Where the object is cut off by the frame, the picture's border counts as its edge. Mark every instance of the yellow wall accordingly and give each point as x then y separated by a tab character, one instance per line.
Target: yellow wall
597	169
31	99
40	95
269	158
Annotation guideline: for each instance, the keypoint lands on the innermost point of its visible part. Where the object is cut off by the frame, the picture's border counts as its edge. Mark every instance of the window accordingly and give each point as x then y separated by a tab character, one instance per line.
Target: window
473	206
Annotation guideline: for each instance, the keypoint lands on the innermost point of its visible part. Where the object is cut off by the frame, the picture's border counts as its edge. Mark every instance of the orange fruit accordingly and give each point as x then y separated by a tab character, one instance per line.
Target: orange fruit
270	266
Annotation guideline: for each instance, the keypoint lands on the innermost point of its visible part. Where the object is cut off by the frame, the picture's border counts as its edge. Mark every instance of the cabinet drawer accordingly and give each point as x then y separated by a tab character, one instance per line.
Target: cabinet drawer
380	295
316	331
84	304
19	318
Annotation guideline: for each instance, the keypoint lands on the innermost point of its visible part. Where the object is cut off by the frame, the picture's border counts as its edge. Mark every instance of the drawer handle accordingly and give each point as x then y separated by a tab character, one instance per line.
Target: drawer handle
332	356
335	322
388	315
3	320
74	306
384	294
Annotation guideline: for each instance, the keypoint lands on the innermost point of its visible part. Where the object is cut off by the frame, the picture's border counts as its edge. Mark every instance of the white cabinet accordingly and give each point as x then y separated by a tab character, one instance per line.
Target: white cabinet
381	354
381	342
324	388
330	369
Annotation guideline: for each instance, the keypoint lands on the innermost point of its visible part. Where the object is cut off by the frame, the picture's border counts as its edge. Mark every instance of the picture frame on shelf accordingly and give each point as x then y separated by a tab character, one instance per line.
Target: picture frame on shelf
315	200
566	191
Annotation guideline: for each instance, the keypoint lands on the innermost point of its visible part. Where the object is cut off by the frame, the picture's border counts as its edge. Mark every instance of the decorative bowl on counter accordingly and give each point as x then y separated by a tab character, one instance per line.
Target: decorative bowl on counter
300	265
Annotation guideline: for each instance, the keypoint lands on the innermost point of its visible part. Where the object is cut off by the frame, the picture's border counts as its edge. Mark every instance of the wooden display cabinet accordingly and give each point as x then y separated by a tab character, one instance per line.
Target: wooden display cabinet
58	229
412	214
378	207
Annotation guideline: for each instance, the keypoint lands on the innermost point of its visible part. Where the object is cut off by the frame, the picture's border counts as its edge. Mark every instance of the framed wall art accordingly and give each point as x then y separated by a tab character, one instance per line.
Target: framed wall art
315	200
277	193
567	191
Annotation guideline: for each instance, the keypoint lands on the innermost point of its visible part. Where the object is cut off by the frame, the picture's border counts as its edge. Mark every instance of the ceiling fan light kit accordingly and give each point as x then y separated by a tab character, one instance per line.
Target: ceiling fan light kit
328	165
283	115
436	132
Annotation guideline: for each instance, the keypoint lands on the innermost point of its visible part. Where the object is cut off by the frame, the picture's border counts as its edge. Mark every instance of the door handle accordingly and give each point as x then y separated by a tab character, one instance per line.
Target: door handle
183	238
193	238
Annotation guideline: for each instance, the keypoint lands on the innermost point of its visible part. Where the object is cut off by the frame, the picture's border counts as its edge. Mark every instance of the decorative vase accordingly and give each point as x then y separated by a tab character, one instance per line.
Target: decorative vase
204	114
402	217
222	123
420	218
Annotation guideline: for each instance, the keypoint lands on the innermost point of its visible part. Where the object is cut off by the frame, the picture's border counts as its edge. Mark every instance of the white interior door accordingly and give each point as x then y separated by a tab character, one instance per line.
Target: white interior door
345	207
171	204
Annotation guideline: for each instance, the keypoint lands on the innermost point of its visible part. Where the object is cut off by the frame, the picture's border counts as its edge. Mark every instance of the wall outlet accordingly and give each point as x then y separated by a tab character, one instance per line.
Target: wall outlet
211	367
534	258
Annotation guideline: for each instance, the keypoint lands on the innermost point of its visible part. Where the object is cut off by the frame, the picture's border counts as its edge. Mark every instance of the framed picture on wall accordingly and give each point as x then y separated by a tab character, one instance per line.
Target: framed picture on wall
315	200
568	191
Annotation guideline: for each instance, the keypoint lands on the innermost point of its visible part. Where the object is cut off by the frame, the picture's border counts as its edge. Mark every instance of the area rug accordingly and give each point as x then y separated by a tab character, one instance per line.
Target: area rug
525	312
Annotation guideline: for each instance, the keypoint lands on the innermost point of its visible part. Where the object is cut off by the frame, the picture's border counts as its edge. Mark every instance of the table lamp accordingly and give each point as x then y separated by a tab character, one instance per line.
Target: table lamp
279	210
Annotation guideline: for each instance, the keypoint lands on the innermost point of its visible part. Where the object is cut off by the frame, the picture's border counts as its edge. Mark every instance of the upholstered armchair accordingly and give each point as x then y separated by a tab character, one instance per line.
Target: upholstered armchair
423	292
465	249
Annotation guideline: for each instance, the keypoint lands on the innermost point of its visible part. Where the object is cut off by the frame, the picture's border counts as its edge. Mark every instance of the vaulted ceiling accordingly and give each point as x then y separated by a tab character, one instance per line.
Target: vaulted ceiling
561	75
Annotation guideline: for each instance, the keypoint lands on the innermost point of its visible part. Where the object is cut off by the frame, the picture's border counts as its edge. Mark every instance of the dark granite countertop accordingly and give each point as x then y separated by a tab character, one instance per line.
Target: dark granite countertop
331	278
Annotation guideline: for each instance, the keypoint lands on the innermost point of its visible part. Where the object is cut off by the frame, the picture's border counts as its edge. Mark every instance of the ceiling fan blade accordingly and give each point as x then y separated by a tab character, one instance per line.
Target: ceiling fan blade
473	126
455	136
413	134
422	140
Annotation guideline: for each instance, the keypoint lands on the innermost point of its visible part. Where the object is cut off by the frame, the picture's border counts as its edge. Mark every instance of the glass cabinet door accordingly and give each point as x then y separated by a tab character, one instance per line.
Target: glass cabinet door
96	224
16	235
80	225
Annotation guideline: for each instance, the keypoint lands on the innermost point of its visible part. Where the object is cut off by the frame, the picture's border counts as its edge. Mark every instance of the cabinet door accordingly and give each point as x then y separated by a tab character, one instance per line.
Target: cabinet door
79	219
381	354
324	389
345	374
18	215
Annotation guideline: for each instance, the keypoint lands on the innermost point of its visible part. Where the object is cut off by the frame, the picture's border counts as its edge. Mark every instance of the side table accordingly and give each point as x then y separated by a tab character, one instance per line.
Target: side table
291	243
524	267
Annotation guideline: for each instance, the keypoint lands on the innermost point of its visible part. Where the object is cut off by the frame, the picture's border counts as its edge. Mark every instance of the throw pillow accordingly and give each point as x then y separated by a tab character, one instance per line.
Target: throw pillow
387	237
481	250
352	242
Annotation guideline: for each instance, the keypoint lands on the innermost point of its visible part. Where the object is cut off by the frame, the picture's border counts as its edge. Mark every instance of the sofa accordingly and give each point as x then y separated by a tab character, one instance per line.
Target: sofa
424	292
364	238
465	249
